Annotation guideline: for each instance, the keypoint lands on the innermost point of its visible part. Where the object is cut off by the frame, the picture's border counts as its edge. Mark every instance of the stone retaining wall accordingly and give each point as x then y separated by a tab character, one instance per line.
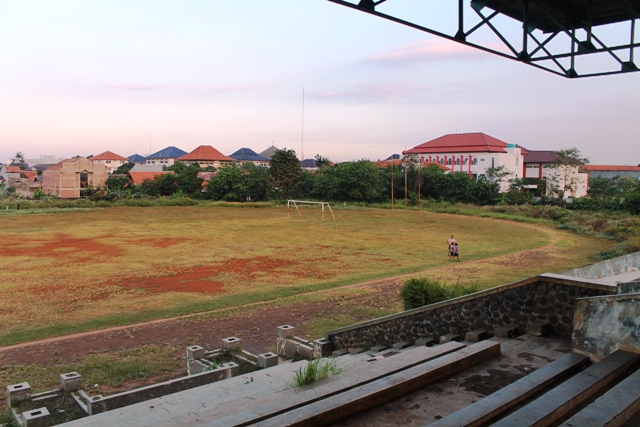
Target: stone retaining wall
549	297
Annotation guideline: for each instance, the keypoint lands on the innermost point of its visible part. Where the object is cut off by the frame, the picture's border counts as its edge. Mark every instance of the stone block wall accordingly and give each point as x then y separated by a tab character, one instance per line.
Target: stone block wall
548	297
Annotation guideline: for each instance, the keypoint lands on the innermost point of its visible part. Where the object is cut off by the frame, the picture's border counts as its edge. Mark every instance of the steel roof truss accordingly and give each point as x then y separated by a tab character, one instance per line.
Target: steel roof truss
534	52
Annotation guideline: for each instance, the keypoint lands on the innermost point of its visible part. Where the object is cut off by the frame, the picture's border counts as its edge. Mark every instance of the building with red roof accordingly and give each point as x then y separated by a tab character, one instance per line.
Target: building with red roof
472	153
139	177
206	155
110	160
611	171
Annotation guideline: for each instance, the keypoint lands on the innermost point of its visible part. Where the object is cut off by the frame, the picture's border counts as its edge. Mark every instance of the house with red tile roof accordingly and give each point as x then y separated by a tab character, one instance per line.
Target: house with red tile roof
68	178
472	153
110	160
206	155
139	177
611	171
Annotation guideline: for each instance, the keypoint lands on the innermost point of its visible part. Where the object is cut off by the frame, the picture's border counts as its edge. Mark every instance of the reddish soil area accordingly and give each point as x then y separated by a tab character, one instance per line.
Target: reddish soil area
61	246
199	279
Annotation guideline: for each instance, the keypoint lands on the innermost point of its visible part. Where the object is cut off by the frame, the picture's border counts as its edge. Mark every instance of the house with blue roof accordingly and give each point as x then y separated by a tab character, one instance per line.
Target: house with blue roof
247	155
166	156
137	158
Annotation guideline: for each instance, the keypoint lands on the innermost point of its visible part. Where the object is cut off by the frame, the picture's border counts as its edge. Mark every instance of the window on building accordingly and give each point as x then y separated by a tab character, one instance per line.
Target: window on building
493	162
449	161
465	161
475	161
457	162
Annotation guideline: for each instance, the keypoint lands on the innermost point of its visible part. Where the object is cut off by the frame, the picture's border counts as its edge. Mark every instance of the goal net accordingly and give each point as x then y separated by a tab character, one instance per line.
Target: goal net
307	203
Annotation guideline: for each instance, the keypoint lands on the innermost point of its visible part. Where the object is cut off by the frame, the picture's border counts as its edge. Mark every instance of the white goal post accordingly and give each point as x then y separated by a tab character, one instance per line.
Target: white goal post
306	202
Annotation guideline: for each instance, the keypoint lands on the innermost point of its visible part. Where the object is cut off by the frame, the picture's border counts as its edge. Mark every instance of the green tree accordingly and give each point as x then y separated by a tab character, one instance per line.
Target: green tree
118	182
124	169
188	181
285	170
257	182
18	160
563	178
354	181
228	184
322	161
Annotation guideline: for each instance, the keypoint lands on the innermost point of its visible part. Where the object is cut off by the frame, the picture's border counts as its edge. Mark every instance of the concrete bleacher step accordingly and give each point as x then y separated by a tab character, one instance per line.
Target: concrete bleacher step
613	409
245	413
199	406
564	398
375	393
490	407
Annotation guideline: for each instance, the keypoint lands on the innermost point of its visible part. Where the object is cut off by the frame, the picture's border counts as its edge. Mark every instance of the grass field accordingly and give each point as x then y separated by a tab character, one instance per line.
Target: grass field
76	271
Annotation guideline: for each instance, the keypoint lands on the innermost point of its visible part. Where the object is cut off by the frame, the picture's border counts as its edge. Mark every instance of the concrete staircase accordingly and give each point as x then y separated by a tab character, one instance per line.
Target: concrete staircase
618	401
269	397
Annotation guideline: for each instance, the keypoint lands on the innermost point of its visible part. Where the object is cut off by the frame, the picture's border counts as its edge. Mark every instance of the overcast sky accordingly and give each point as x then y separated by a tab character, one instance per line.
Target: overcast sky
82	77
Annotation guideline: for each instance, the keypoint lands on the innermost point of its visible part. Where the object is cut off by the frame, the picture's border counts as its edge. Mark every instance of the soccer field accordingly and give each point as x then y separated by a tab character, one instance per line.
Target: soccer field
76	271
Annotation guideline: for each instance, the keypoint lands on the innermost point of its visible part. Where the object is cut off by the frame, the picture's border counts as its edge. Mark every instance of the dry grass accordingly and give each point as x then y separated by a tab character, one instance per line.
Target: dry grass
75	271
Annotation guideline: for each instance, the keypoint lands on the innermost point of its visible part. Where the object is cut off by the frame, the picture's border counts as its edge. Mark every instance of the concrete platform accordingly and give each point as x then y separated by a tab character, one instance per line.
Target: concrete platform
567	396
615	408
492	406
370	395
520	356
202	405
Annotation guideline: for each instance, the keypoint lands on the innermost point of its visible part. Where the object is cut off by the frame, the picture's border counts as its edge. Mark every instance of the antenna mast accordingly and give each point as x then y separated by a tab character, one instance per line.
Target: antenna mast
302	136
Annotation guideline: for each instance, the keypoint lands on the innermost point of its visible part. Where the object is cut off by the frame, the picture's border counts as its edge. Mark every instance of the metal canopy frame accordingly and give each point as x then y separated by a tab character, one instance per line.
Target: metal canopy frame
544	23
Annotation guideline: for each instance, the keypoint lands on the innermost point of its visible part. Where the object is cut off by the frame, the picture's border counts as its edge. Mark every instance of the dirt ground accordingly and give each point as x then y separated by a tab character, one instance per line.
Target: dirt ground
256	328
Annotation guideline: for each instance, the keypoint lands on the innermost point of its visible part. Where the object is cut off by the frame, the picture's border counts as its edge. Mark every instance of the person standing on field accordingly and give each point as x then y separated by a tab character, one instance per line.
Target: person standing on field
451	242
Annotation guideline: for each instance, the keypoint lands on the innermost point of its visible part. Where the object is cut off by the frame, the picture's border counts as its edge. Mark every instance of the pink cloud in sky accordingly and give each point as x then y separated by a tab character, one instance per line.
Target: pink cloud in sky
425	51
197	88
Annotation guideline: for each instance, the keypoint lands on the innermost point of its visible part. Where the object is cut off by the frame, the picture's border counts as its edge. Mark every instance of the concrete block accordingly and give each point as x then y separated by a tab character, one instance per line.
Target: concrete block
425	342
477	335
195	352
322	348
231	344
449	338
233	369
400	345
378	348
267	360
538	329
357	350
36	418
505	331
340	352
286	331
18	392
71	381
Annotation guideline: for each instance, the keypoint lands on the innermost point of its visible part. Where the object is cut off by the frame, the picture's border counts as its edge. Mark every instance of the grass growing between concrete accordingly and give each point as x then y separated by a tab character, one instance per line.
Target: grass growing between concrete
315	370
126	265
100	372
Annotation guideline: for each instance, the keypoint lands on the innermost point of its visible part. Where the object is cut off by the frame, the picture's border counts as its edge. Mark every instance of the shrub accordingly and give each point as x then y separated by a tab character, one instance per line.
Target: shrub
418	292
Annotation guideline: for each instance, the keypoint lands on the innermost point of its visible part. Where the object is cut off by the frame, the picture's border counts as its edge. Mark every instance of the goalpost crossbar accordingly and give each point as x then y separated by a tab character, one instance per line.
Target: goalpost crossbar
307	202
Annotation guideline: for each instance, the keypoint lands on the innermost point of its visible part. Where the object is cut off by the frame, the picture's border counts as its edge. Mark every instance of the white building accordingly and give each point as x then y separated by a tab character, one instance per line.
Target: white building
111	161
473	153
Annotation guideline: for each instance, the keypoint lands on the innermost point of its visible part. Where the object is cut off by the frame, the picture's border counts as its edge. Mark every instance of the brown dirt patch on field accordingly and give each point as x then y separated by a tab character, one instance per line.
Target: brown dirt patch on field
61	246
200	279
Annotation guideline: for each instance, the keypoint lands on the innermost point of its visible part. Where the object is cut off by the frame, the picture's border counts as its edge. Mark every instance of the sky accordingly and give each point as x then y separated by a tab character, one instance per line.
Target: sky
83	77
